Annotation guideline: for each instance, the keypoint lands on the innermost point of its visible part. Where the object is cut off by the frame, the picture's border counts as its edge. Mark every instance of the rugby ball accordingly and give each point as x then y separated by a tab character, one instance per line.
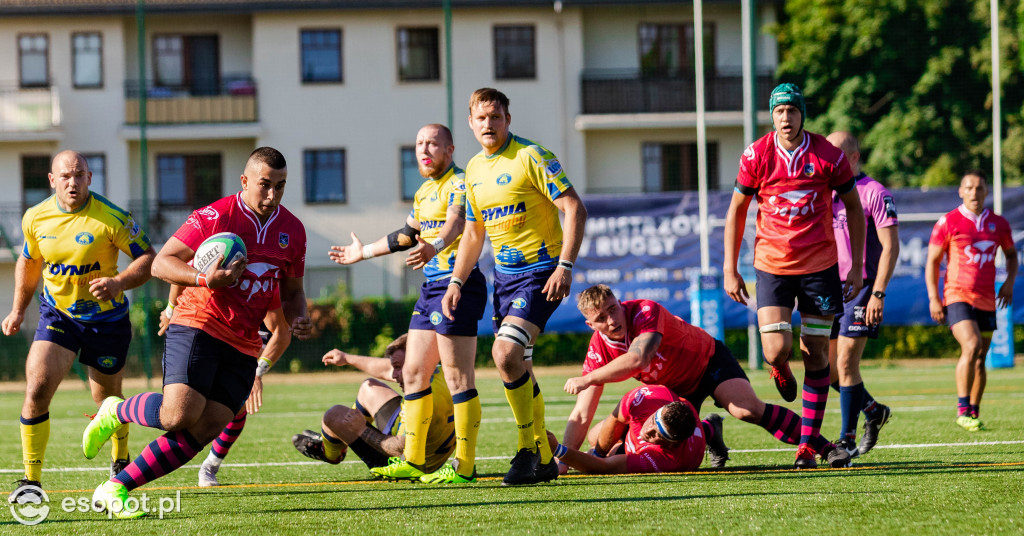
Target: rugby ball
227	244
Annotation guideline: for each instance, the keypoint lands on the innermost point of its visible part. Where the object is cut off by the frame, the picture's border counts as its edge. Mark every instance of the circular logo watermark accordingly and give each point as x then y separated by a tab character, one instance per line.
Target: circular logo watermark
30	505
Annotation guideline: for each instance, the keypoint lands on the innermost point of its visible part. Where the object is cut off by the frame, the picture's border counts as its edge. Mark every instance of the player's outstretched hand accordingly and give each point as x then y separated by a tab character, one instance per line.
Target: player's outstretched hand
450	301
12	324
336	357
302	327
1005	296
255	400
558	285
217	277
575	386
937	311
854	282
420	255
349	254
105	288
735	288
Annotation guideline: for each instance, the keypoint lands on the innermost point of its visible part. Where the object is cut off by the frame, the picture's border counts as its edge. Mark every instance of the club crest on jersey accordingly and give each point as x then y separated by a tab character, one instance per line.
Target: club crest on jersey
809	169
282	239
519	303
209	213
504	179
435	318
84	238
991	227
553	168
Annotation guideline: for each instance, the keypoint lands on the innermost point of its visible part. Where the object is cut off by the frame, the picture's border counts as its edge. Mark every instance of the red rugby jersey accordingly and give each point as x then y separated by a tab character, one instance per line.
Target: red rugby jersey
643	457
969	242
794	198
681	358
275	250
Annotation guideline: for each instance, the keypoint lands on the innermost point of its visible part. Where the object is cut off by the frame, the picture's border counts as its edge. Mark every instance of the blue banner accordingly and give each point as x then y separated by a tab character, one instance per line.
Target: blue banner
648	246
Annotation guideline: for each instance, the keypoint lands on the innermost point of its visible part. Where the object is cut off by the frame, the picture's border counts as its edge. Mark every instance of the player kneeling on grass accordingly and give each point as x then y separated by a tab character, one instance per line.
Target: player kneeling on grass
373	429
651	430
643	340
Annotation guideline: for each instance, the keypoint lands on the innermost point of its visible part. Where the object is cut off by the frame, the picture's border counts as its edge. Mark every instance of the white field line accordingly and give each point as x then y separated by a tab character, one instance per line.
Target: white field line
356	461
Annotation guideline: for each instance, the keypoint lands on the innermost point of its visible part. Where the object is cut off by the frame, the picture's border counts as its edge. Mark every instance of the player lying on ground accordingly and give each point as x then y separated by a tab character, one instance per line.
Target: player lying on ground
651	430
643	340
374	428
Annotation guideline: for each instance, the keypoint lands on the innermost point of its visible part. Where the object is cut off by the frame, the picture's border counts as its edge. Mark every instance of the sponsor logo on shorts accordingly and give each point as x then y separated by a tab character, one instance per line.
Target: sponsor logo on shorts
519	303
282	240
84	238
58	330
824	303
435	318
106	362
504	179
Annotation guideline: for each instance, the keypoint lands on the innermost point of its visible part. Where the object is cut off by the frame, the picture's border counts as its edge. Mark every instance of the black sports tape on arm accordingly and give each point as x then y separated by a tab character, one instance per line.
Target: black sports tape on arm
402	239
745	190
846	186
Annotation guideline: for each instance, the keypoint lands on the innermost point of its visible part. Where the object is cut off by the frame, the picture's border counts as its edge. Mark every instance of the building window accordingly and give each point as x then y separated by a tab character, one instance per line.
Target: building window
35	180
411	178
189	180
668	49
87	63
514	53
189	62
34	59
325	175
672	167
418	58
321	55
98	167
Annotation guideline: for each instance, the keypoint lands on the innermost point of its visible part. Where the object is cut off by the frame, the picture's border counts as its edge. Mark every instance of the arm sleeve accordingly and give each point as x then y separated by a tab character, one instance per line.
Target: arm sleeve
31	247
939	235
748	178
545	172
131	239
193	231
595	355
457	196
842	176
297	268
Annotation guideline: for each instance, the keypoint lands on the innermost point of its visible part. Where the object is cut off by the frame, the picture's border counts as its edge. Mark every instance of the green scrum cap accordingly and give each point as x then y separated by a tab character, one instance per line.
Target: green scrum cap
787	94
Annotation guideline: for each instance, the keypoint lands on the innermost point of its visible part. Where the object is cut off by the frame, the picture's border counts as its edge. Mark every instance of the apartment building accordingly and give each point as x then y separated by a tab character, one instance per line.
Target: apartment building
341	87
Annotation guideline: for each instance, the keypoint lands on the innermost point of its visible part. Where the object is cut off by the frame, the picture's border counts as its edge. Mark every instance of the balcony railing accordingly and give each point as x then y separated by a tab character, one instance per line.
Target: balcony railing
164	218
28	109
232	100
627	91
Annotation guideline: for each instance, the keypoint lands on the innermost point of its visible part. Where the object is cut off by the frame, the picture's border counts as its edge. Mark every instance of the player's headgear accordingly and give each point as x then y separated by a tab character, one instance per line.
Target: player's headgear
788	94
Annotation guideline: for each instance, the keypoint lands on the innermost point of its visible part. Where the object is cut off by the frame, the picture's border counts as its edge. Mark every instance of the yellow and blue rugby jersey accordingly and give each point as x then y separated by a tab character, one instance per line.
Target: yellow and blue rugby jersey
430	209
441	432
78	247
511	192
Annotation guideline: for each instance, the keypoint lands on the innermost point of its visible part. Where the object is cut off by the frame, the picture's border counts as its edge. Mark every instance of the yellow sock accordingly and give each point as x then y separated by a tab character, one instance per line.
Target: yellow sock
417	411
540	432
467	426
33	445
520	396
333	447
119	444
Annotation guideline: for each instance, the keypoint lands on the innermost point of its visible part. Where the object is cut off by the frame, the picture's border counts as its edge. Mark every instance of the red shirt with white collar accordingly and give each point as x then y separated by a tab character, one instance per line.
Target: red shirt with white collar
275	250
794	201
969	241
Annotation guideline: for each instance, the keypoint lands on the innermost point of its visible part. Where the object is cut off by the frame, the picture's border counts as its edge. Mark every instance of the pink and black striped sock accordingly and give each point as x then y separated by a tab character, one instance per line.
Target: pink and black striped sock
143	408
781	423
228	436
167	453
816	384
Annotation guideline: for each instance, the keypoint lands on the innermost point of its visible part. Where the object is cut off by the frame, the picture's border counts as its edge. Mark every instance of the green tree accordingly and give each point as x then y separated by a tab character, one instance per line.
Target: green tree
912	79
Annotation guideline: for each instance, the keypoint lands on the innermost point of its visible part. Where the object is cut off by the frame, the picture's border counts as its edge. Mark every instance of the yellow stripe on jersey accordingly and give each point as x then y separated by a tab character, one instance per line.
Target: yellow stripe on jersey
78	247
511	192
430	209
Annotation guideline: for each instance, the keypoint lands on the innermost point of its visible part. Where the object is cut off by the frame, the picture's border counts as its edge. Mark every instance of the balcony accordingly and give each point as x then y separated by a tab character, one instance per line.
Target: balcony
231	100
29	113
164	218
627	91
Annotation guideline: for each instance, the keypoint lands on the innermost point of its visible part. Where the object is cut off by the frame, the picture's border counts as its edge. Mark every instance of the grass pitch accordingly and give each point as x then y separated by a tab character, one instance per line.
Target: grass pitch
926	476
